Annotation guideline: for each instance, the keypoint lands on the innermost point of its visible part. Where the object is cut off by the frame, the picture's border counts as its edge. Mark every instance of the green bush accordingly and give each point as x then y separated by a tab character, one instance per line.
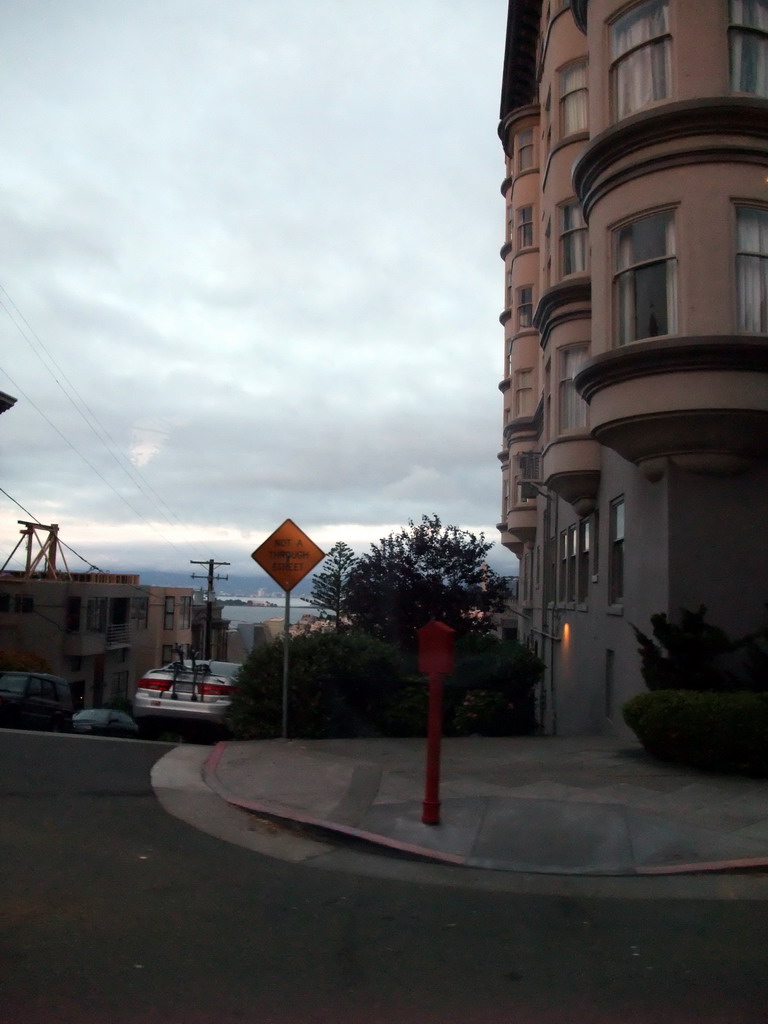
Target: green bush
335	680
484	713
695	655
404	712
725	732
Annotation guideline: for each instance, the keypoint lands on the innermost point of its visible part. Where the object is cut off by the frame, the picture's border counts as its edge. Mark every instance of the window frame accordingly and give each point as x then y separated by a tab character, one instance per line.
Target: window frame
524	227
574	239
748	319
524	307
525	150
523	393
569	104
630	273
566	388
617	528
742	31
169	611
624	59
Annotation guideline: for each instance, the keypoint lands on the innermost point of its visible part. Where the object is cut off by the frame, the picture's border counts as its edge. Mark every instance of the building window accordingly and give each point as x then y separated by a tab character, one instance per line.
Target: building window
72	620
752	269
169	609
96	614
616	553
167	653
525	150
646	278
641	55
510	291
584	540
510	222
525	227
140	612
573	239
562	581
572	554
573	99
572	409
523	393
185	613
748	39
524	307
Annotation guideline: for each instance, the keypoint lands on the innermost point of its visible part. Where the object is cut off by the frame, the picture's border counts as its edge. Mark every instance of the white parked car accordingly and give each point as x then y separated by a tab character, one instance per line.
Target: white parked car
190	698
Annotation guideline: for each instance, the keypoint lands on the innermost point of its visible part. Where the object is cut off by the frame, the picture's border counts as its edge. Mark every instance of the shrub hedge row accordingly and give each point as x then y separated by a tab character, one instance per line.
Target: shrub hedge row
726	732
352	684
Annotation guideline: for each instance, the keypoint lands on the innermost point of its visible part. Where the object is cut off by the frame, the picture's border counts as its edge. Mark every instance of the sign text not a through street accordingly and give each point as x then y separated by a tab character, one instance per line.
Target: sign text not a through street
287	555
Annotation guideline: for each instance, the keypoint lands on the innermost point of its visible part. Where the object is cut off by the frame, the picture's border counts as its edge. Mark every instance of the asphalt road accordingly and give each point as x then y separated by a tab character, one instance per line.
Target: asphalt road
113	911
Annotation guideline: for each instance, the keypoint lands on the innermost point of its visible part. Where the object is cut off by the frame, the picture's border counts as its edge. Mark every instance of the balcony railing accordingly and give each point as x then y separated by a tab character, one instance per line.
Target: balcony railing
119	636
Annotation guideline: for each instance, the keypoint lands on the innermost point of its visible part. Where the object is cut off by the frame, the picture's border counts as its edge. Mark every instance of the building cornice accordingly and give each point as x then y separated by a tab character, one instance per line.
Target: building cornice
6	401
518	88
730	120
577	290
679	355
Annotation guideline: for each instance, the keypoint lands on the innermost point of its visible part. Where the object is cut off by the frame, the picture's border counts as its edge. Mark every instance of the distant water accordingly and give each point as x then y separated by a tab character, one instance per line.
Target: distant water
253	613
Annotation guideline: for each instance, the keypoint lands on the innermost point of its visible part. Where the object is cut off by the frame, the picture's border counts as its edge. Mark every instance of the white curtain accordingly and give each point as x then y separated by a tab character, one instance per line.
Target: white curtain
749	49
752	270
642	76
573	89
573	409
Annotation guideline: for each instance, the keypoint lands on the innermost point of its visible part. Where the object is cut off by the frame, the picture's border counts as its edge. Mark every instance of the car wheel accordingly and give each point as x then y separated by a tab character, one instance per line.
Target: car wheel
57	725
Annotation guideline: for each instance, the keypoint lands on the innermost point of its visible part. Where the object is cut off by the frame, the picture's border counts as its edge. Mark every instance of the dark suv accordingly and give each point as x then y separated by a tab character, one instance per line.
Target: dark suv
35	700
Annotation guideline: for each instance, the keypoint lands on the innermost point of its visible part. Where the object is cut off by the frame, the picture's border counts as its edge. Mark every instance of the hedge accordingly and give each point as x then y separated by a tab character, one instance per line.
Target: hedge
725	732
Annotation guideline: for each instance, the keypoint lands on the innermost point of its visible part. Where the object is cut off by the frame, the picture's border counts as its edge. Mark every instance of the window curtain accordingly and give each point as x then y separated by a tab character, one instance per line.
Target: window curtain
573	409
752	270
641	77
574	103
749	49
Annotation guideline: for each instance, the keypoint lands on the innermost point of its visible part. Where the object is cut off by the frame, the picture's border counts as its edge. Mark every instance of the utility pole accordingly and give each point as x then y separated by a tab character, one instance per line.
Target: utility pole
212	566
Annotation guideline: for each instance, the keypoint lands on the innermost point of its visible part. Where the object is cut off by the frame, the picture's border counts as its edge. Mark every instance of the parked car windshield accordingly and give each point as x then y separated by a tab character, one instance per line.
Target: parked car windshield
11	683
92	715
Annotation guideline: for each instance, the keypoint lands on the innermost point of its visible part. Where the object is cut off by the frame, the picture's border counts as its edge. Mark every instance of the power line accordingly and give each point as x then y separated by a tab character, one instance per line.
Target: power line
104	437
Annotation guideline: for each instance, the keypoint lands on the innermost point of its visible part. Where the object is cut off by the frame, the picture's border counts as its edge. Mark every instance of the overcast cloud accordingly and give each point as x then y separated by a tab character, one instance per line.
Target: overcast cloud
249	269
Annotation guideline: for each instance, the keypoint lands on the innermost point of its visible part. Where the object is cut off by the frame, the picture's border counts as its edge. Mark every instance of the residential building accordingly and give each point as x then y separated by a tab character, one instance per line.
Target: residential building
635	383
99	631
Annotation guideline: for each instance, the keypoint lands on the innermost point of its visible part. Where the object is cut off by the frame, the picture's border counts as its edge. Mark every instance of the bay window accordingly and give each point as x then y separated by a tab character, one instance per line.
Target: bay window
645	278
752	269
525	150
748	42
641	55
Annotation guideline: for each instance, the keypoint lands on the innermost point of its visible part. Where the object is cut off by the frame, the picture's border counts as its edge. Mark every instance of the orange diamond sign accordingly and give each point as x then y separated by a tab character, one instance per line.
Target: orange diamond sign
287	555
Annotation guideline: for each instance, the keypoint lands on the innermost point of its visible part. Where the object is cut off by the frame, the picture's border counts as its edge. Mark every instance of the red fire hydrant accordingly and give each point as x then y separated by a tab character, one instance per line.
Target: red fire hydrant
436	641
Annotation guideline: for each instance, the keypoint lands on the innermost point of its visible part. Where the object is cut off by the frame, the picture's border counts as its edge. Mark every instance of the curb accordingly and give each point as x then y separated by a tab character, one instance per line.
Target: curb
301	821
329	829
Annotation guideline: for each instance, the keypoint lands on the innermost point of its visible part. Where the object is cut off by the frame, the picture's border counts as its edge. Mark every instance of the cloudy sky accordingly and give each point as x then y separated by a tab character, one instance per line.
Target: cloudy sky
249	271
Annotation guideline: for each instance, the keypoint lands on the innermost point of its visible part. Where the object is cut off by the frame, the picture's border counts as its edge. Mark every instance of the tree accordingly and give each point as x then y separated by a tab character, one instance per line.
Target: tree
330	587
425	571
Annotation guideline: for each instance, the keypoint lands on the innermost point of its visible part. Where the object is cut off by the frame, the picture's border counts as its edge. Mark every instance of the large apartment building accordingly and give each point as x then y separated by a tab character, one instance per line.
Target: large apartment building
635	384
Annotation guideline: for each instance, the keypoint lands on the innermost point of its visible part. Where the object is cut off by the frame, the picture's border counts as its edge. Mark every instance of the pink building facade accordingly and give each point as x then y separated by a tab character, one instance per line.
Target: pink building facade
635	384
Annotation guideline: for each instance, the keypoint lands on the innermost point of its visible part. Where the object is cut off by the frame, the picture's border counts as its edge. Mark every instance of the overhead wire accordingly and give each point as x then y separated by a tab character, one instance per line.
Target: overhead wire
132	473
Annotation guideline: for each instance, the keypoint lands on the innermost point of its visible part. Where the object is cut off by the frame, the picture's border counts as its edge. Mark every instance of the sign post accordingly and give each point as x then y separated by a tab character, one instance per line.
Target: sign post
287	555
436	642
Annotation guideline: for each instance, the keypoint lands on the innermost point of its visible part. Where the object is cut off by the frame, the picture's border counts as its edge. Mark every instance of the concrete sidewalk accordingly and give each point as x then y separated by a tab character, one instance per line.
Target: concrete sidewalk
579	806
